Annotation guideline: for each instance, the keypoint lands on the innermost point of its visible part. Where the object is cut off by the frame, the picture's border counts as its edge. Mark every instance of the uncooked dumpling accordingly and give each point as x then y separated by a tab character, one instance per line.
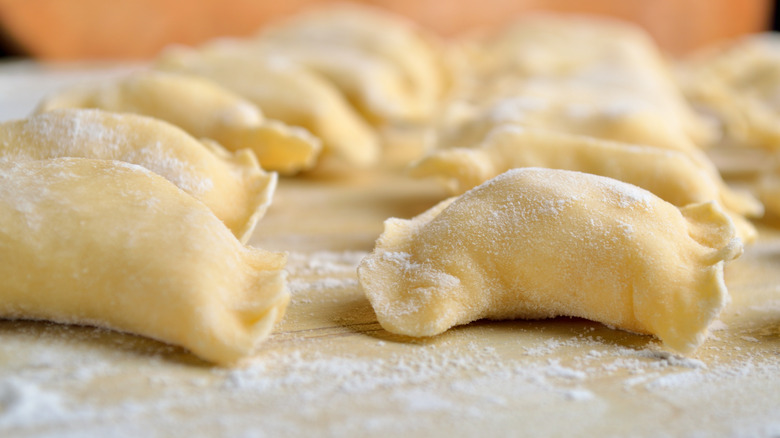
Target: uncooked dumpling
232	185
410	73
739	85
203	109
417	54
614	64
372	85
586	110
114	245
673	176
285	92
539	243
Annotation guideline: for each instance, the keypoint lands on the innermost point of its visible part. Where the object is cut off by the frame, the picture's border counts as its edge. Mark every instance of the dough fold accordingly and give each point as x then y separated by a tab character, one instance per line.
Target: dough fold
232	185
737	85
541	243
604	75
203	109
392	70
114	245
671	175
285	92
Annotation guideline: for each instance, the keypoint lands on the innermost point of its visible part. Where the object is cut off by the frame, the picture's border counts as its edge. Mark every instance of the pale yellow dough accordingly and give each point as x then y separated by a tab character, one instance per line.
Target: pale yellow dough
539	243
285	91
606	66
375	88
391	69
581	109
114	245
232	185
583	94
203	109
671	175
738	84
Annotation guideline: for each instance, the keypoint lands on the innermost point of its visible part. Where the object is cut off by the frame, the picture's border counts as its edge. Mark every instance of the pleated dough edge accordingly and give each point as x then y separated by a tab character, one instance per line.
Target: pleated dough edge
260	186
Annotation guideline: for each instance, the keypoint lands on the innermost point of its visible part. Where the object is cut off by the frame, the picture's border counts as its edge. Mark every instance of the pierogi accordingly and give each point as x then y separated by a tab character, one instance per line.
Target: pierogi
541	243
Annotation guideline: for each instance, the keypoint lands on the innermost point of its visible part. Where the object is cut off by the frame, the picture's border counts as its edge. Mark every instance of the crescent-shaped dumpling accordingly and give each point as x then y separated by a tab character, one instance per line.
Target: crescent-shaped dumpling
232	185
112	244
607	56
416	55
574	109
673	176
286	92
738	84
203	109
374	87
539	243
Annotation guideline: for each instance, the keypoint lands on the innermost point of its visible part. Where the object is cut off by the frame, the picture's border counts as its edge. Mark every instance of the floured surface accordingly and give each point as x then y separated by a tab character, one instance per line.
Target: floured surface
329	369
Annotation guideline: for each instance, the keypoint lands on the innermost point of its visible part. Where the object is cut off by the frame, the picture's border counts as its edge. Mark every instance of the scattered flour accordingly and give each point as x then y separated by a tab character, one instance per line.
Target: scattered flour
23	403
324	262
296	286
579	395
718	325
301	382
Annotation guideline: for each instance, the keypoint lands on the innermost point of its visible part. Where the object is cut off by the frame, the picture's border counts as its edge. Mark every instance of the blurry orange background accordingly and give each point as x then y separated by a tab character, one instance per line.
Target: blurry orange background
121	29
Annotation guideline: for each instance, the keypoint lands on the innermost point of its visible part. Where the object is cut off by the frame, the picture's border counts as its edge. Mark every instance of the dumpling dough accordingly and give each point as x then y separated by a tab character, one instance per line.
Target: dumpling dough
581	109
576	52
539	243
670	175
114	245
739	85
203	109
391	68
417	54
285	92
376	90
233	185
